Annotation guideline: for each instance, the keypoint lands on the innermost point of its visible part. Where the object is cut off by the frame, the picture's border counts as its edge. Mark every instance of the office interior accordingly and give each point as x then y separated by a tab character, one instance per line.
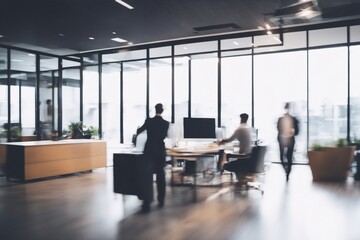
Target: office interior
312	66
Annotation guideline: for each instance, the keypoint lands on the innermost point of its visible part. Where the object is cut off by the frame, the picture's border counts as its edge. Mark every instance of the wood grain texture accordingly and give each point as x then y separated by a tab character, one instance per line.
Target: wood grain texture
30	161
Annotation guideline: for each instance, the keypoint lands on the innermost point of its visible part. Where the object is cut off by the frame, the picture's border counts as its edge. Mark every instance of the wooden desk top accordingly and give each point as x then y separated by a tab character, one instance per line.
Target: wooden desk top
49	142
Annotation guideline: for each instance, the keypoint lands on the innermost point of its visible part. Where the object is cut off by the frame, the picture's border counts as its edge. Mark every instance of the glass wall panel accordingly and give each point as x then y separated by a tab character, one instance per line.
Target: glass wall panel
160	86
204	97
236	93
355	33
196	47
134	95
3	93
23	78
245	42
124	55
327	95
47	86
70	96
91	96
236	53
181	94
355	92
280	78
291	40
160	52
327	36
111	102
267	39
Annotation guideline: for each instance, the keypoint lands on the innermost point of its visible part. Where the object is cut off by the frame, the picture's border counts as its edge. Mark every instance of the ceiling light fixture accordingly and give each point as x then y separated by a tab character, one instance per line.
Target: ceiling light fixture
91	38
124	4
1	36
120	40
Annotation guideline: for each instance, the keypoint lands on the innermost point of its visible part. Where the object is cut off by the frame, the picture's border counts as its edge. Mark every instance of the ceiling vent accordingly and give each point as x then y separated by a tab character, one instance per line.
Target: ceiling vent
217	27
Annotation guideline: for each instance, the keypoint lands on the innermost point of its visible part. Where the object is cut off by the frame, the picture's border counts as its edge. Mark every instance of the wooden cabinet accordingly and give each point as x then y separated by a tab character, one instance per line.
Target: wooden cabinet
38	159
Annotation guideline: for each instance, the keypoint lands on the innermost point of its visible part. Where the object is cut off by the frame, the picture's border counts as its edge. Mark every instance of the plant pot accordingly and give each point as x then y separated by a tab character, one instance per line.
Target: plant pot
331	163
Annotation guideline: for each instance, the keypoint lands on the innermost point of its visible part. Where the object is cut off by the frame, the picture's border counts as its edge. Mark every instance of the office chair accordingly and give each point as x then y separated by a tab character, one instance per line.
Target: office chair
255	166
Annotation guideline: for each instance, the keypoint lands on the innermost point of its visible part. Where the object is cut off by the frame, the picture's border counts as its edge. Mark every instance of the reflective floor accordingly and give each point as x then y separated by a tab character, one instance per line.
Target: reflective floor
83	206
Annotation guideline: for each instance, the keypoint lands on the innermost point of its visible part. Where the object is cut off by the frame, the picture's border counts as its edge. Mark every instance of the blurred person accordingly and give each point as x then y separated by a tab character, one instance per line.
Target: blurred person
288	128
154	159
243	135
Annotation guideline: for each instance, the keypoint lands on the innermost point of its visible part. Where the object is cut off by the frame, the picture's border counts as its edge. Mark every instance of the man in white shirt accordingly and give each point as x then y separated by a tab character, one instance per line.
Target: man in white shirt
242	134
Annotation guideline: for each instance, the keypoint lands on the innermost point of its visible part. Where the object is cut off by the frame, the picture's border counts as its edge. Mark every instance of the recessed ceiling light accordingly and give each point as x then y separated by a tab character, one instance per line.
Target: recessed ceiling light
1	36
120	40
114	33
61	34
91	38
31	55
124	4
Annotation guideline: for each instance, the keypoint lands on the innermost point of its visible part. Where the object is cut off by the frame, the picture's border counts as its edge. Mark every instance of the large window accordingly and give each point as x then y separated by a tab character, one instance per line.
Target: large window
181	94
355	92
280	78
204	96
3	93
236	91
47	95
111	102
160	86
22	80
134	93
70	96
91	96
327	95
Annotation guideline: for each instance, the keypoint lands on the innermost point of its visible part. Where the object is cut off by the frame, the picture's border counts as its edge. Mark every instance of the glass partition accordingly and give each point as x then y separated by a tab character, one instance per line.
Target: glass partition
22	90
280	78
134	93
70	96
160	86
48	96
3	94
236	92
204	76
111	102
327	95
355	93
91	96
181	73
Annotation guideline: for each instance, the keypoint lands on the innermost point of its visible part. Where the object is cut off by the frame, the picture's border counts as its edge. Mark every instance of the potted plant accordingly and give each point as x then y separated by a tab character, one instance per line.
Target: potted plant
331	163
75	130
90	131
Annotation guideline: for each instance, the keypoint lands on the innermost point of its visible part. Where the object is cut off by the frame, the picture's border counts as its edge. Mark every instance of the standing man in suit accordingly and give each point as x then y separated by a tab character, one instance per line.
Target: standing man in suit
288	128
154	158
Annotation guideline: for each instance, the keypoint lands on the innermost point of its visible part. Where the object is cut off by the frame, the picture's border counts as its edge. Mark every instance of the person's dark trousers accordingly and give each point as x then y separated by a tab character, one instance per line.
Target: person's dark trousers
240	165
287	165
160	184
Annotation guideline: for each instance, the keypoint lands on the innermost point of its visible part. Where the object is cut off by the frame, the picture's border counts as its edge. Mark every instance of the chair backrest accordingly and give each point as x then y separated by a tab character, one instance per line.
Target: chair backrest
257	158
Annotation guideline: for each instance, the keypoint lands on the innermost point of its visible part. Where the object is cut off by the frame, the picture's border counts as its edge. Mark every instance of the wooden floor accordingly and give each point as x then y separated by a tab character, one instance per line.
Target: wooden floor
83	206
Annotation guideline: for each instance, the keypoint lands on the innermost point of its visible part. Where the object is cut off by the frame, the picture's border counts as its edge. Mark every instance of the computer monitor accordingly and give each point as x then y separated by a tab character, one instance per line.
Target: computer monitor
199	128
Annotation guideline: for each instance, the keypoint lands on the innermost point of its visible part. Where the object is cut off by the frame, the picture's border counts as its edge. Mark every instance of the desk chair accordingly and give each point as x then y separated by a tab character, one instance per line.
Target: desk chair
246	173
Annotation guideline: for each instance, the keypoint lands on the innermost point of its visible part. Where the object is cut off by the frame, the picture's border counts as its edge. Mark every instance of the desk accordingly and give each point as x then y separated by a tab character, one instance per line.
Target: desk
194	153
39	159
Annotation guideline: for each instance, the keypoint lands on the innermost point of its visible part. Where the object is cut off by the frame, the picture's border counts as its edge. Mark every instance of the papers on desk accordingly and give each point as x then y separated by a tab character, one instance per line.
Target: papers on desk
209	148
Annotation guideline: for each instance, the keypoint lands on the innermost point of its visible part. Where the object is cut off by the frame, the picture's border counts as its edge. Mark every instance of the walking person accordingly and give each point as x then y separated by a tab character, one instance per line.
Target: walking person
288	128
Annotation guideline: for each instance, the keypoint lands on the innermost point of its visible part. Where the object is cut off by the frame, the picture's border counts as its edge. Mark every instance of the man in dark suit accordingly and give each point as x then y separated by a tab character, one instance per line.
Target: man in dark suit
154	158
288	128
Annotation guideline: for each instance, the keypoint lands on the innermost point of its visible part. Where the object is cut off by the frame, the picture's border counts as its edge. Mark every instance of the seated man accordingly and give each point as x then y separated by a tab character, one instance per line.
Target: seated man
242	134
